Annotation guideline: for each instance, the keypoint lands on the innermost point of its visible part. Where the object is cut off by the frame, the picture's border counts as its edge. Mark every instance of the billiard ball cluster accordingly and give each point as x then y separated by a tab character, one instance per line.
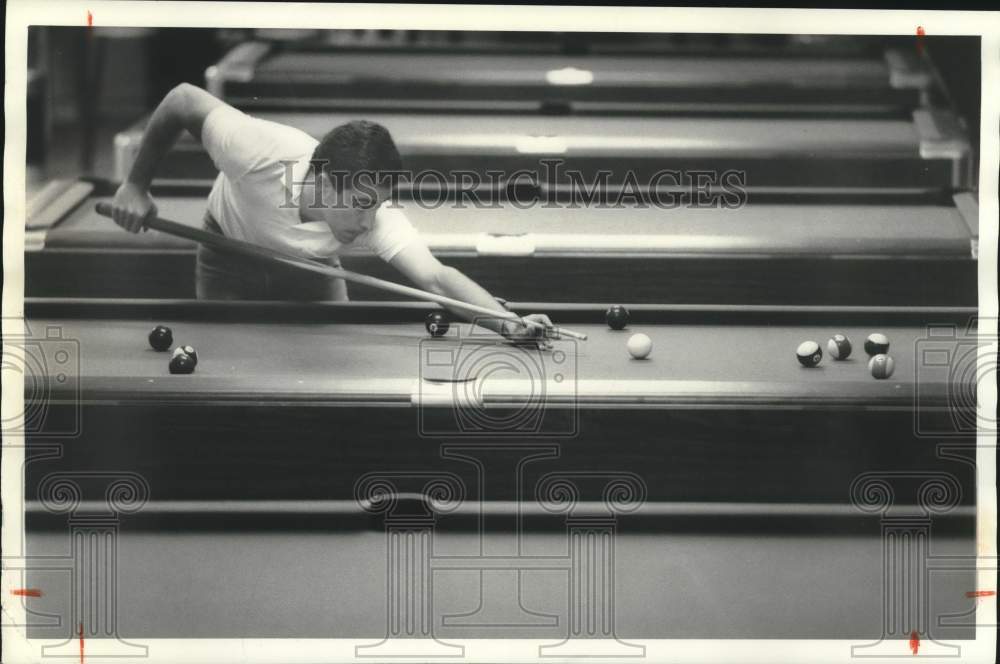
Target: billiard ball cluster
881	365
184	358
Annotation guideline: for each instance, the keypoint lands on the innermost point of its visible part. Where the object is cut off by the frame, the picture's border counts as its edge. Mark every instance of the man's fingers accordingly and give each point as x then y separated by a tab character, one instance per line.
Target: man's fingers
139	218
131	207
543	320
137	221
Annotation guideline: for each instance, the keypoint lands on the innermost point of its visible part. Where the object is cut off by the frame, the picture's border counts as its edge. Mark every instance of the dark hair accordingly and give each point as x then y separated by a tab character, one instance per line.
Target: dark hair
356	147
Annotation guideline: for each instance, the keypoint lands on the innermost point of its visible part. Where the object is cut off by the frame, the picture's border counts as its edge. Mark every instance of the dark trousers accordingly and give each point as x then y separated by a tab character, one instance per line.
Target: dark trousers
221	275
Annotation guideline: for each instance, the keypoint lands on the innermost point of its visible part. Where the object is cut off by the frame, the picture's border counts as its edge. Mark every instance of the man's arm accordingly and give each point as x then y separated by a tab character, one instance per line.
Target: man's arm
418	264
184	108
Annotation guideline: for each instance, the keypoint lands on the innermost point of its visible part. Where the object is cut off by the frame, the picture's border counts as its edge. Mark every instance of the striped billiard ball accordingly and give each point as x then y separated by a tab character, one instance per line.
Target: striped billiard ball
881	366
809	353
877	344
839	347
189	351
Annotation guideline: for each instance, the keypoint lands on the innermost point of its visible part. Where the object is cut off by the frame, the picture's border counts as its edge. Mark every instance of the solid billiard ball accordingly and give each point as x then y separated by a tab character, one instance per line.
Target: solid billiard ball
161	338
639	346
181	363
617	317
809	353
877	344
187	350
839	347
881	366
436	324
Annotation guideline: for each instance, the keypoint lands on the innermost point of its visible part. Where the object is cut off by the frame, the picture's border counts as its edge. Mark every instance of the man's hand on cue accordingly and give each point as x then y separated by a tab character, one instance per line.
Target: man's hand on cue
522	333
131	207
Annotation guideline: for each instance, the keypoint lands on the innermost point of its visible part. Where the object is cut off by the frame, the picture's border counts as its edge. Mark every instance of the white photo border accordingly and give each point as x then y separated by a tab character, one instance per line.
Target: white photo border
23	13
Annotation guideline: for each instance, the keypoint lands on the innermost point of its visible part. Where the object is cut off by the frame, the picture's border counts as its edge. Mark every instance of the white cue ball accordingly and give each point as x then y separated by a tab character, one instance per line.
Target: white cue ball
639	346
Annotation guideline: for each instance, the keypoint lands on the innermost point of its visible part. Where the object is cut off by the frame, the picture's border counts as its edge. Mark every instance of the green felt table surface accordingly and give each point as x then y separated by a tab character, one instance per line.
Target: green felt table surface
606	71
392	361
611	136
829	231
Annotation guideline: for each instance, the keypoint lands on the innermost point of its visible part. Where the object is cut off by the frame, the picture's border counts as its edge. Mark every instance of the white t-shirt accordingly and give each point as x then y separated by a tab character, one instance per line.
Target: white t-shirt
253	200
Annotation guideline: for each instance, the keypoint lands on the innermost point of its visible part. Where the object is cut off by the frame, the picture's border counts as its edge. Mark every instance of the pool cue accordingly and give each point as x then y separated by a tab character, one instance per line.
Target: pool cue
224	243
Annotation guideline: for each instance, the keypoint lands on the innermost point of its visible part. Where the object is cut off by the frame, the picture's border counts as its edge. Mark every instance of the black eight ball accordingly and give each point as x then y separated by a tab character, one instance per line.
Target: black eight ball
436	324
617	317
161	338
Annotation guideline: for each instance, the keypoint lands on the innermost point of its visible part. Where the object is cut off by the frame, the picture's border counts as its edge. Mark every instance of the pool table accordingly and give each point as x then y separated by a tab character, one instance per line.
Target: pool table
535	42
725	44
786	252
735	493
410	41
259	75
926	151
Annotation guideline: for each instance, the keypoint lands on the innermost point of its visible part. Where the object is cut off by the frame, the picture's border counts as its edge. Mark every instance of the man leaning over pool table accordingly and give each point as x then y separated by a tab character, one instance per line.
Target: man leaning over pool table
266	193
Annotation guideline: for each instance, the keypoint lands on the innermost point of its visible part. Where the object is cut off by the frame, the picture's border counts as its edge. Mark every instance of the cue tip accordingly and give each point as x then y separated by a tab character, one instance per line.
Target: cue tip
563	332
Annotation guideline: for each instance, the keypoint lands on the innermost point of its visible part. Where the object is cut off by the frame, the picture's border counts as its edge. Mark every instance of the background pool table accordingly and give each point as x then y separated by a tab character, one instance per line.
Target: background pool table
786	251
263	75
927	151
